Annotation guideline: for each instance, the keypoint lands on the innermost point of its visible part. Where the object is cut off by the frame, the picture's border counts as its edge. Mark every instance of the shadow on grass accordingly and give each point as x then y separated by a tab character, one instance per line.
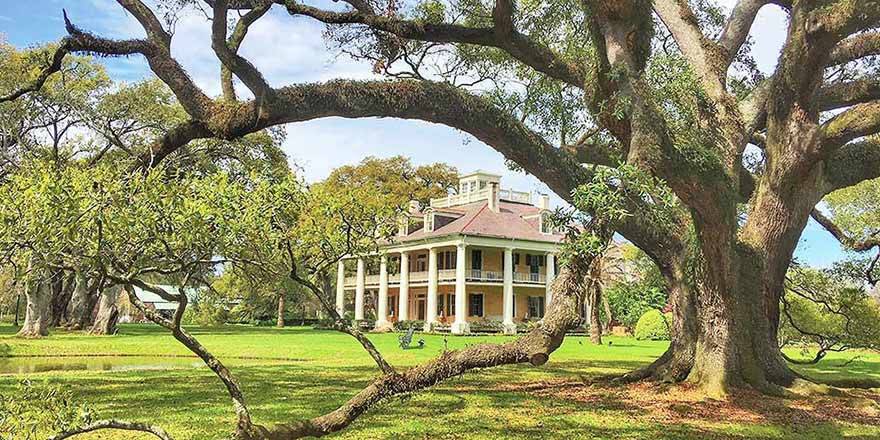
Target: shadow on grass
191	404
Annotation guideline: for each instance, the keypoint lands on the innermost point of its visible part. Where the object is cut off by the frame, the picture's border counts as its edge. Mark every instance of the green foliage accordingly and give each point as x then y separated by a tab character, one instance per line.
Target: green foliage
653	326
856	209
30	412
408	324
823	311
397	179
630	300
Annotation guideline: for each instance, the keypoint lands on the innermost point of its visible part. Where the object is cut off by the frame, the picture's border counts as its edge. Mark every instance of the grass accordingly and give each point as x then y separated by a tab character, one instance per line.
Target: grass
288	374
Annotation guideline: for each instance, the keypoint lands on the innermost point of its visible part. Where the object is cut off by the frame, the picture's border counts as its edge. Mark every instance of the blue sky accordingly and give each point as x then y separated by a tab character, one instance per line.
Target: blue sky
290	50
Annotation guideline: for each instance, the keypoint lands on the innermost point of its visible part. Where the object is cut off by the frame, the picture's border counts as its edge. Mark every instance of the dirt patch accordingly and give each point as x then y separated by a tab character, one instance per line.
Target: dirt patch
682	404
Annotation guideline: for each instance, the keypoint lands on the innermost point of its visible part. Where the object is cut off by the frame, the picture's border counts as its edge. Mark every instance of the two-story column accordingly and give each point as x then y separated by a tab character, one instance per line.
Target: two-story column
460	326
551	275
359	291
340	288
403	306
507	303
431	313
382	309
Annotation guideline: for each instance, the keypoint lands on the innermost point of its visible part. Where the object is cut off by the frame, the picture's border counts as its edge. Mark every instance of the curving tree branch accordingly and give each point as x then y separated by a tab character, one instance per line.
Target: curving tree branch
855	47
234	43
849	93
114	424
738	26
229	57
843	237
518	45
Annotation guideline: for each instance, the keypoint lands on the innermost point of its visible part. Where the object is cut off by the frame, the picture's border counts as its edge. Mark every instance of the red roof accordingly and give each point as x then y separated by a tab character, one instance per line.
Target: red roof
478	219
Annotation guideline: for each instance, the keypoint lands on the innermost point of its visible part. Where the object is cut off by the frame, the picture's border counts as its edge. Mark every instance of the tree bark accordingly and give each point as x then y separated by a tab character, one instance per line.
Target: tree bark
62	292
82	302
108	313
280	321
37	310
595	323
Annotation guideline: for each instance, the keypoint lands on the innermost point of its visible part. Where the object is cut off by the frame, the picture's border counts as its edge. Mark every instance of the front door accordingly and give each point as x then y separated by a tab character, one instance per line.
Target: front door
420	307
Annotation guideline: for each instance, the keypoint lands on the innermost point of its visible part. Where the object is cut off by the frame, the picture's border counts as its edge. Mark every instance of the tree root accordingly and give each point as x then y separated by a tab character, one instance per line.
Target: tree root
114	424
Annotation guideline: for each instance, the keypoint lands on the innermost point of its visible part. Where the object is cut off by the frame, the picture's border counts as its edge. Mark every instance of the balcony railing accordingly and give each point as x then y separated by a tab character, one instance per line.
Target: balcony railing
446	275
418	277
486	276
529	278
460	199
515	196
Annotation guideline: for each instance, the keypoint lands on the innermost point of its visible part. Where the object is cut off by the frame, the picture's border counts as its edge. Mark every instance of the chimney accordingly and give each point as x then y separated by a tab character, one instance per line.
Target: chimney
545	202
493	196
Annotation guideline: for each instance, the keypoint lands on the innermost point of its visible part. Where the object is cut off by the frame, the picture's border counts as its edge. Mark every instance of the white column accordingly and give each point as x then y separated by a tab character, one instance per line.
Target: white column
460	326
403	306
551	275
382	310
509	326
431	313
340	288
359	291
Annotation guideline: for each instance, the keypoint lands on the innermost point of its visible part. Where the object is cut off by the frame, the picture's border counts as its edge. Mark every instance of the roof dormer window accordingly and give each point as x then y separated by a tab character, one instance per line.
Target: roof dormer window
546	223
429	220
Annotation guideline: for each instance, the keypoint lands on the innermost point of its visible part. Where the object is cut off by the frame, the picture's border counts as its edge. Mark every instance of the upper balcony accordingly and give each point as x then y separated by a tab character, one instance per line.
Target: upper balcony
479	195
448	275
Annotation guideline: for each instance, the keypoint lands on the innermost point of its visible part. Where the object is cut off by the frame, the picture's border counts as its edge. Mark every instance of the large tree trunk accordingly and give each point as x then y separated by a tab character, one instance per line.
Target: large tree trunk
62	291
82	302
279	322
676	363
37	310
108	313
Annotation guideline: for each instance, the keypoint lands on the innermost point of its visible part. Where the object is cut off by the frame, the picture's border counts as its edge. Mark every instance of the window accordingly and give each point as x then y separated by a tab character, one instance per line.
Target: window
516	259
535	260
546	223
446	260
475	304
392	306
422	263
441	311
536	307
450	304
476	259
429	221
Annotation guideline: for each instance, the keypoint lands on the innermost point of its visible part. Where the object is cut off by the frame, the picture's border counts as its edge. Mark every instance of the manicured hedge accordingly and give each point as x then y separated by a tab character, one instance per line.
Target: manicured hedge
653	326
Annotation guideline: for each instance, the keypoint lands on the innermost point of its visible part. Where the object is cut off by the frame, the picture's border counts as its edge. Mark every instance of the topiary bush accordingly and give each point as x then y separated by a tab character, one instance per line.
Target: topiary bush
653	326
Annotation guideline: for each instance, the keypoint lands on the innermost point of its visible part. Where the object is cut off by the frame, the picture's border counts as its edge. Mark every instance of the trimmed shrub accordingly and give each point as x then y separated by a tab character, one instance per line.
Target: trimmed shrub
653	326
406	325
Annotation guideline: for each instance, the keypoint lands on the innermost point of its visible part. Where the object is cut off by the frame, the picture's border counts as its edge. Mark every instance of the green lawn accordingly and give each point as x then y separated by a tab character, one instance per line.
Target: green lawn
291	373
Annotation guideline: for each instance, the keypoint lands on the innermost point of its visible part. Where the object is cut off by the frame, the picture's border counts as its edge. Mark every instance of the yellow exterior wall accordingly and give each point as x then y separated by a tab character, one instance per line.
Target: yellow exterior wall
493	300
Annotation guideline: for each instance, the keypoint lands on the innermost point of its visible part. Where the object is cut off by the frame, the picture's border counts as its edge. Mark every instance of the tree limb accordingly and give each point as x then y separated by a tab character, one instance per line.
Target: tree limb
242	68
114	424
518	45
855	47
858	121
234	43
738	26
849	93
851	164
843	237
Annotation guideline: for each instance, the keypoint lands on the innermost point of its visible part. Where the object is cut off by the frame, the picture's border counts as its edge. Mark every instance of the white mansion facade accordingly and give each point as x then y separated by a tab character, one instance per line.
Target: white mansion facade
484	254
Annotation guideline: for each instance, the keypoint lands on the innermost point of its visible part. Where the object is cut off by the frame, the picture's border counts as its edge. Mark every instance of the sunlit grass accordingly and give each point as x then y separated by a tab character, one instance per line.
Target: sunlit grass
292	373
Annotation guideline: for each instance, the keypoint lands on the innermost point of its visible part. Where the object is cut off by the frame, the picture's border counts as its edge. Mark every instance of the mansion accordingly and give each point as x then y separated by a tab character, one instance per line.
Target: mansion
484	254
